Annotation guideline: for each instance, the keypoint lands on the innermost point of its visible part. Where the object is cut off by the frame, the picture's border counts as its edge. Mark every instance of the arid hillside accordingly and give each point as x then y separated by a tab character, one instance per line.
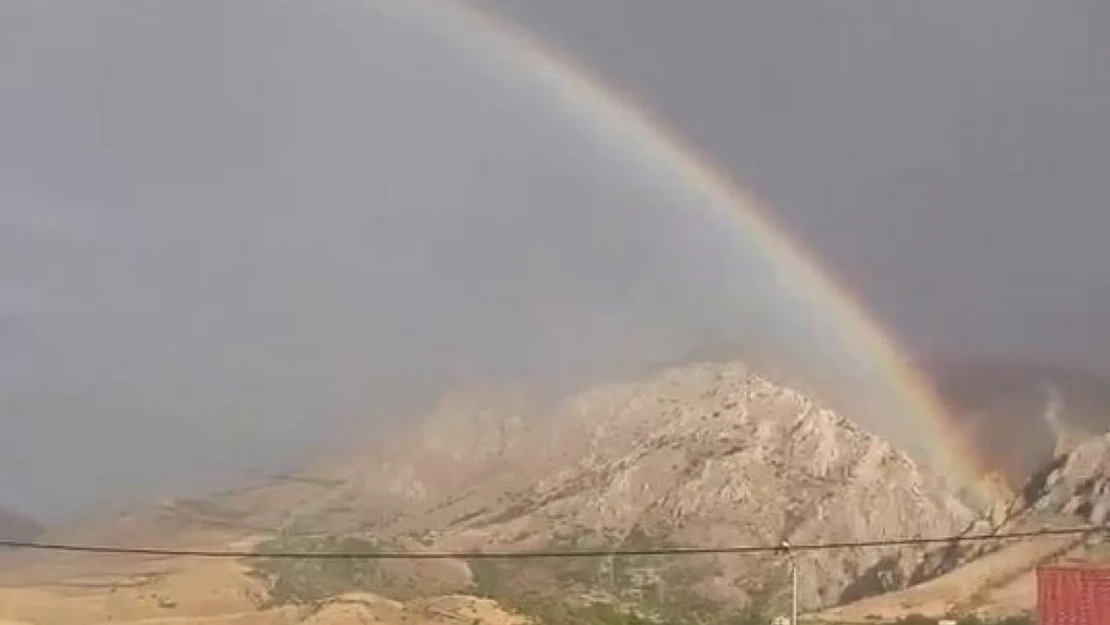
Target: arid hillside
997	578
698	455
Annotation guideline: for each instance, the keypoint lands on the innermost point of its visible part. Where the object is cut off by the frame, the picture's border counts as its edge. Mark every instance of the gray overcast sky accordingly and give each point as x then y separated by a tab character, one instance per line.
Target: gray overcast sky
949	159
229	231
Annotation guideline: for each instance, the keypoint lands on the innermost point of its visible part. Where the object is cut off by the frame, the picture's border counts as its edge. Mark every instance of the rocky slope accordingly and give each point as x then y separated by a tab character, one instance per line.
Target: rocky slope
695	455
997	578
701	455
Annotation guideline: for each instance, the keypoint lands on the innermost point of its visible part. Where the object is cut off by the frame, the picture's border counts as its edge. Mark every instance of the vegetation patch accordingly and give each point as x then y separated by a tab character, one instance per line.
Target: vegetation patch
591	591
309	580
967	619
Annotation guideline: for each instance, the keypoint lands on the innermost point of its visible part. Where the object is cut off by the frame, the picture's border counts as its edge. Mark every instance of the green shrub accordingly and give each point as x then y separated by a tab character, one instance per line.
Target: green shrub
1024	619
751	614
967	619
307	580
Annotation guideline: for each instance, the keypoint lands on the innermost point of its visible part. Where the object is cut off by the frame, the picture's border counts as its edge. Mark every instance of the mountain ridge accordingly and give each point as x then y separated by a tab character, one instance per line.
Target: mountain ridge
708	454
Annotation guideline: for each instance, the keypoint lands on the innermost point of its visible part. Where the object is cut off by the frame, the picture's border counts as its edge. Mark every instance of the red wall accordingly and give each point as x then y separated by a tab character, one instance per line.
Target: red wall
1073	595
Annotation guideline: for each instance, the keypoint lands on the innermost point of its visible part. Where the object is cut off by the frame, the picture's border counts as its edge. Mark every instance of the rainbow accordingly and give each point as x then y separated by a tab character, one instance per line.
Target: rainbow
614	120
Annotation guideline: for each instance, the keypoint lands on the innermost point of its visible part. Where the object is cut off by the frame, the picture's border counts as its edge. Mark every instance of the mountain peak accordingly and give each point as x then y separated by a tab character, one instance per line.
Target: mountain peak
706	455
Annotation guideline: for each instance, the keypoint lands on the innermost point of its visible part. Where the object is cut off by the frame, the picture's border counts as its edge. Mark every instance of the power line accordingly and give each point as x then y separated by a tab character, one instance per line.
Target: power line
515	555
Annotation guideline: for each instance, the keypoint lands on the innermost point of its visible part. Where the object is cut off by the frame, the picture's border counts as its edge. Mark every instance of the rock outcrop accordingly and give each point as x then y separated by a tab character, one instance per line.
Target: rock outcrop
698	455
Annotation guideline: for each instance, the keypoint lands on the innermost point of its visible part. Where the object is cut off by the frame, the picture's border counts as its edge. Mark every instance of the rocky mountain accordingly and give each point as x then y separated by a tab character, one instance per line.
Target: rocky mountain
710	456
705	455
696	455
997	577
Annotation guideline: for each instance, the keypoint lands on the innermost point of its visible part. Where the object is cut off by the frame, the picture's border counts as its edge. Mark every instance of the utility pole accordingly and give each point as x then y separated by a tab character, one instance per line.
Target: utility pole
793	582
793	591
